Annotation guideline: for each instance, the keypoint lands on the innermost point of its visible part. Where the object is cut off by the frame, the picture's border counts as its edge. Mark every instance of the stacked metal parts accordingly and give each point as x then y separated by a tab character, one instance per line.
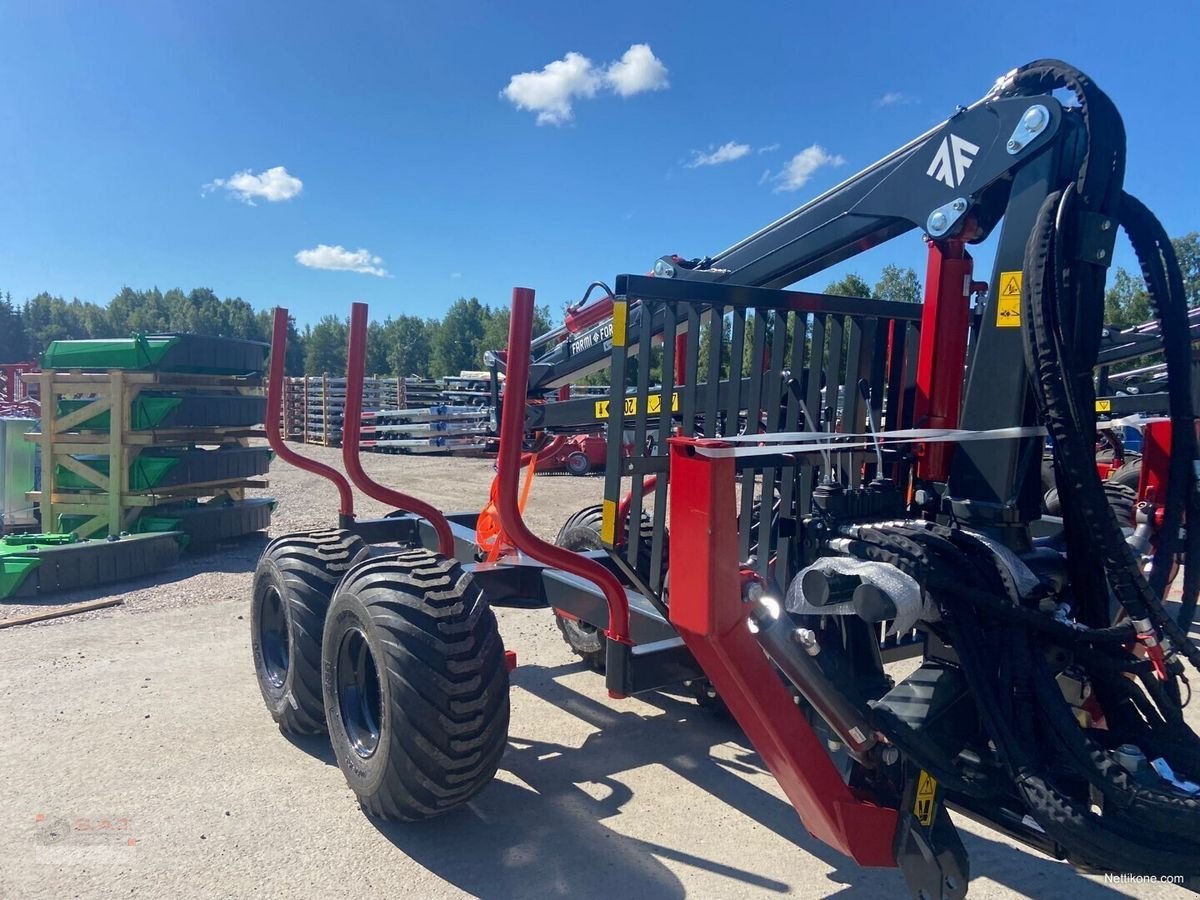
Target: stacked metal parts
440	428
314	407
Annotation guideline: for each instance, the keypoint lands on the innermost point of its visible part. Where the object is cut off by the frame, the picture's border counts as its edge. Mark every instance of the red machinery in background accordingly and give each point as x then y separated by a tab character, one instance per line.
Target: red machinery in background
15	399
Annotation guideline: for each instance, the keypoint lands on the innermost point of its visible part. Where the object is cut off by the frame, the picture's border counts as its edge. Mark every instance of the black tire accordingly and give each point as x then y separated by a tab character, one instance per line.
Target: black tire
428	735
1121	500
577	463
587	641
296	576
589	515
1129	474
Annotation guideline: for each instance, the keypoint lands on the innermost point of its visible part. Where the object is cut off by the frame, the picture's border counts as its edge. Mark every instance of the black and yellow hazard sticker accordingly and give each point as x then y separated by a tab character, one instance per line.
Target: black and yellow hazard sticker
924	805
653	406
1008	303
1103	406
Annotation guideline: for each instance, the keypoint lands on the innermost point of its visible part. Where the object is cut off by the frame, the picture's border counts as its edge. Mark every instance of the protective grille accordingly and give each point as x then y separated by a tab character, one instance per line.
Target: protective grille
753	360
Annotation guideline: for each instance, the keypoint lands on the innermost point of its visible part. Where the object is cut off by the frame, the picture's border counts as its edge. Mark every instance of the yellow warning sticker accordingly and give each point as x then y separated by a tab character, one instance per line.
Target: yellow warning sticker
1008	304
653	406
620	309
608	522
1103	406
924	807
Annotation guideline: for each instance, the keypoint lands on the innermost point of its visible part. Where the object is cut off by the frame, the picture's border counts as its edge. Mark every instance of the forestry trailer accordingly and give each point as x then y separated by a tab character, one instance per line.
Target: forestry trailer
843	482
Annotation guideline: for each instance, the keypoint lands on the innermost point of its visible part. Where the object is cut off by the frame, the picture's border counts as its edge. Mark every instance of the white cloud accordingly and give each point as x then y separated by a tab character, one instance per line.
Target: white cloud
638	70
272	185
552	92
770	148
339	259
802	166
723	154
895	98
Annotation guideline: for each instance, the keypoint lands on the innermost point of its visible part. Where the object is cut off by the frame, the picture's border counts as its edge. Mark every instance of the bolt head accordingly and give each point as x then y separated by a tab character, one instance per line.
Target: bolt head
1034	118
1100	254
960	205
1013	146
938	222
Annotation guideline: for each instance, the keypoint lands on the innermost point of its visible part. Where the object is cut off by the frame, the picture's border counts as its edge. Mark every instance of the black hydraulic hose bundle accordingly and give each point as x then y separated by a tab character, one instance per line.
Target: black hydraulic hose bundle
1143	829
1062	299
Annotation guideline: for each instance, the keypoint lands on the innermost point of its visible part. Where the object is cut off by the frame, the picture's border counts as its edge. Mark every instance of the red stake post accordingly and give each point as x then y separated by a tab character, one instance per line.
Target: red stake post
356	361
275	411
508	469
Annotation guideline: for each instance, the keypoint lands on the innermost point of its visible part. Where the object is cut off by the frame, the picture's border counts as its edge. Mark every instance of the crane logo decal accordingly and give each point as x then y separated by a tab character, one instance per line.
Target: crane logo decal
952	160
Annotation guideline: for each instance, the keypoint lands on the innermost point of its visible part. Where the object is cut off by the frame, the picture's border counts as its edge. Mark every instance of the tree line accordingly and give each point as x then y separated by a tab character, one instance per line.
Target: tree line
419	345
399	345
1126	302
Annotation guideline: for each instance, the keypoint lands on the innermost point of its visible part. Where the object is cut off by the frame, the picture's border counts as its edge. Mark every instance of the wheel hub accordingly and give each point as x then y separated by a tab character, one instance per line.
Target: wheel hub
358	690
273	638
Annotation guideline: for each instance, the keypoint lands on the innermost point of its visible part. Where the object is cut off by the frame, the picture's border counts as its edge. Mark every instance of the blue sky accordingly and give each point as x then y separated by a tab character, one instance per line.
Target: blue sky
392	120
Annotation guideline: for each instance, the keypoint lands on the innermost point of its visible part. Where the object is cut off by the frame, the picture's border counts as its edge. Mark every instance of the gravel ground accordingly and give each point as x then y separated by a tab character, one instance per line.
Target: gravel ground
140	762
306	502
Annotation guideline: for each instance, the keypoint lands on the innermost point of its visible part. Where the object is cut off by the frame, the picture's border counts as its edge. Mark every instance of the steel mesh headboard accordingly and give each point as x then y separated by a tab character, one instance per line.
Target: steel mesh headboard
752	361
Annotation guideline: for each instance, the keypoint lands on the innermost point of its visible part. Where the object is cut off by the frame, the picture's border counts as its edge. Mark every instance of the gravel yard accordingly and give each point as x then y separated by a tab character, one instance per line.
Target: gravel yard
138	761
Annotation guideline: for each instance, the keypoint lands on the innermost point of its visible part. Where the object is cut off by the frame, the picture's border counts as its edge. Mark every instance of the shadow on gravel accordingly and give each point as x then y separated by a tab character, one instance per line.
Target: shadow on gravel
235	555
316	745
546	836
550	839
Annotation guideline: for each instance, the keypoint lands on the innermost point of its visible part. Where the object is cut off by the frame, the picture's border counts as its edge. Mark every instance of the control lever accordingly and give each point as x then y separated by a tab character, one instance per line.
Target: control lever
813	423
865	390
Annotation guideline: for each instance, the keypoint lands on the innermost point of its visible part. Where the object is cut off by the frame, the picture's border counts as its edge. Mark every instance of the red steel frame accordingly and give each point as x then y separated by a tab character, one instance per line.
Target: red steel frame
356	358
1156	464
508	470
706	609
942	351
274	409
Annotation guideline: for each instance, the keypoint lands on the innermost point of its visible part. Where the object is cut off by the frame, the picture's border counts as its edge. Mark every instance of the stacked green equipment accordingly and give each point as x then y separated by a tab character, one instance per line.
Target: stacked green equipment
191	353
153	434
38	564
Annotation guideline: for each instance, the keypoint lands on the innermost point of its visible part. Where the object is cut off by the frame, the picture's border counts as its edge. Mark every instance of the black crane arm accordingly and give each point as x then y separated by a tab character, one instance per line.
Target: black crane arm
951	178
954	181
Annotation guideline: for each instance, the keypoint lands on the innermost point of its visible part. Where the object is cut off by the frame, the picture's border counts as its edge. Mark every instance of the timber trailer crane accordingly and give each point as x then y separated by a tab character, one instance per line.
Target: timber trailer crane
885	506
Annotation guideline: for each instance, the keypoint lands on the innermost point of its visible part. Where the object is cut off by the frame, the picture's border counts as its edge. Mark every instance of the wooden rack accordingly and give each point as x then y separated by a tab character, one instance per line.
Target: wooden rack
112	506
